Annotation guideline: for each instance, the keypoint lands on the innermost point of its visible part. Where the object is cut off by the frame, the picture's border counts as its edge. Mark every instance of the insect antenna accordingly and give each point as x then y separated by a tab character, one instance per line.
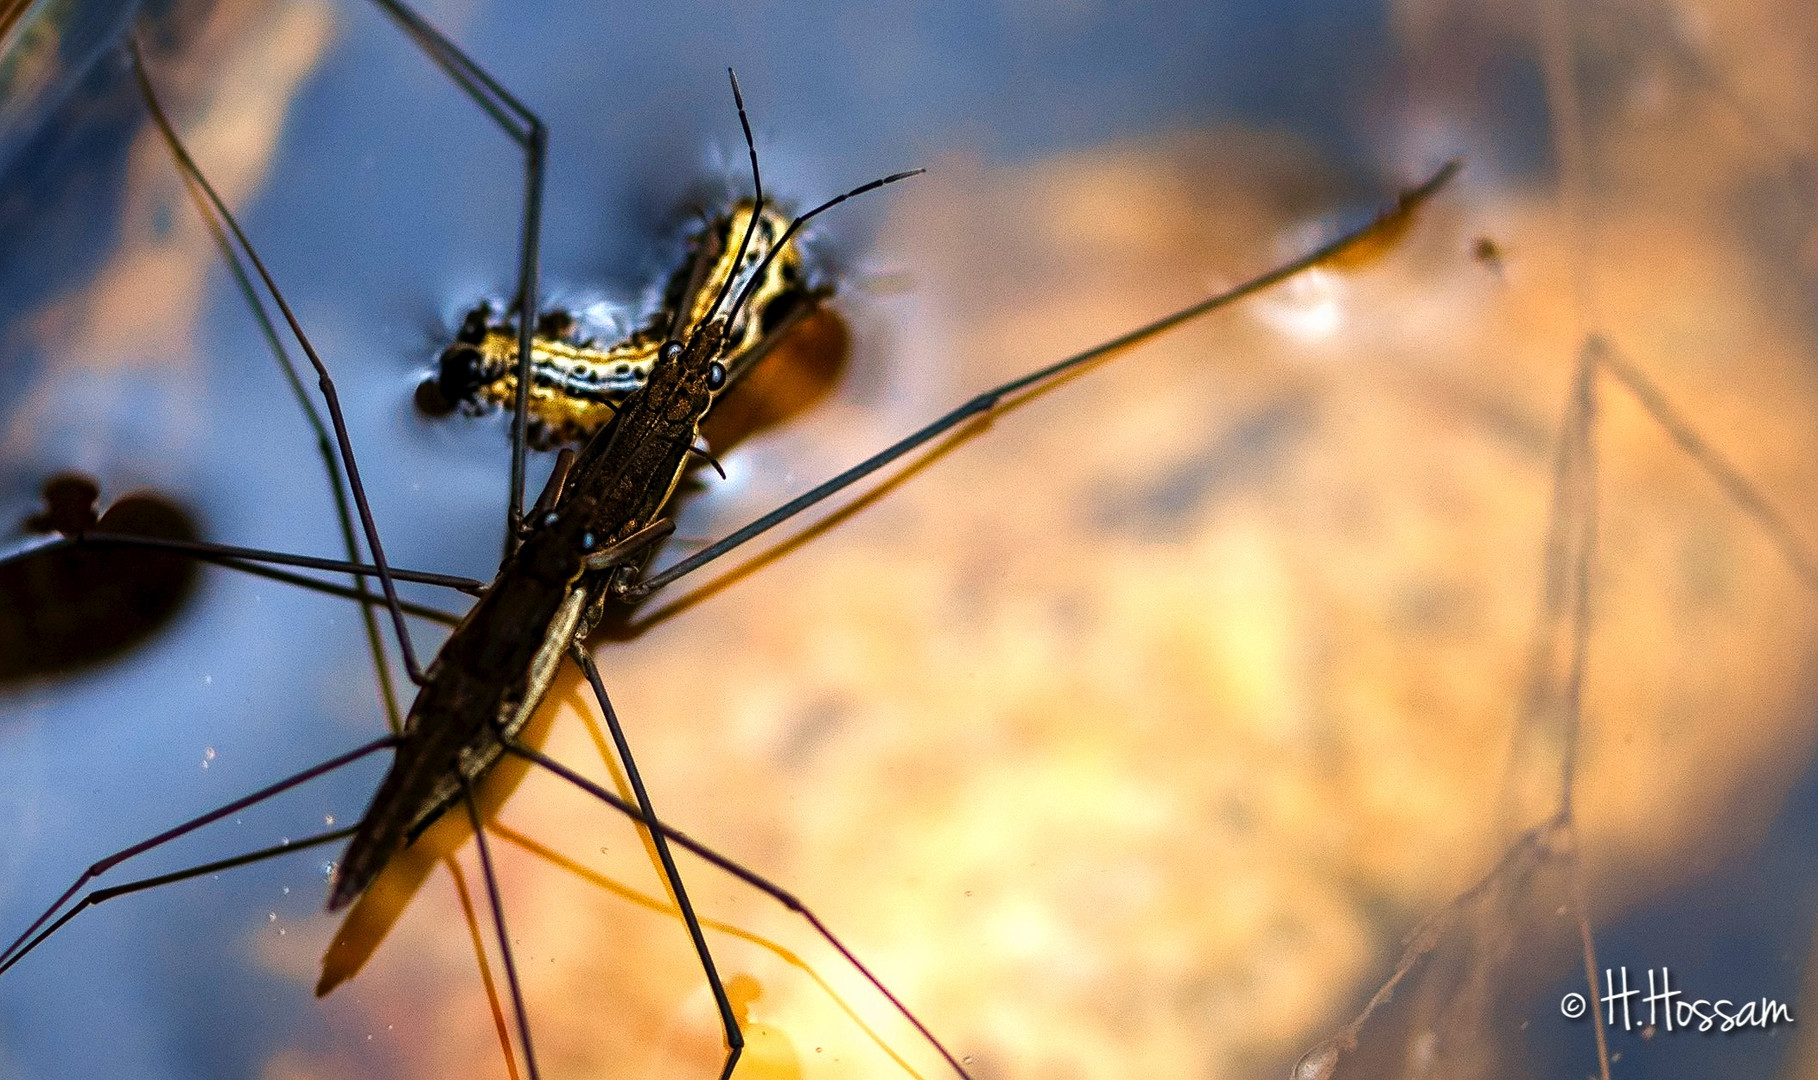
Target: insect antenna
757	211
757	274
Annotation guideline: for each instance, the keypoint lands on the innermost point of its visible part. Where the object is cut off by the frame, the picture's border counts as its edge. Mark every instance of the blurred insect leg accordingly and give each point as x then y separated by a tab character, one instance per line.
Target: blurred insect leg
750	877
1747	497
13	951
233	562
524	128
387	690
735	1038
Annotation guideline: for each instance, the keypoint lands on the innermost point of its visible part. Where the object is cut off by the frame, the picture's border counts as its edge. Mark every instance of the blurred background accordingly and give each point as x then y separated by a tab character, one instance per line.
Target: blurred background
1132	736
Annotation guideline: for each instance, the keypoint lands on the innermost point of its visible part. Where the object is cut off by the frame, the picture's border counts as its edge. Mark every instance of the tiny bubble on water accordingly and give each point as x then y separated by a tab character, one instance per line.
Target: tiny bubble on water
329	819
271	916
208	755
281	931
209	680
287	890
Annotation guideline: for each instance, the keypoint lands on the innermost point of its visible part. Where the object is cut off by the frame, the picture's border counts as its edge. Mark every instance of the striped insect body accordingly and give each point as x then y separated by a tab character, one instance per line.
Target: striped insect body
576	382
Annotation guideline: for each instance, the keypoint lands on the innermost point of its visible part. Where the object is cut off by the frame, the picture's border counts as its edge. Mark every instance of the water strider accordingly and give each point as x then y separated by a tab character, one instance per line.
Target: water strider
730	685
495	668
587	537
597	515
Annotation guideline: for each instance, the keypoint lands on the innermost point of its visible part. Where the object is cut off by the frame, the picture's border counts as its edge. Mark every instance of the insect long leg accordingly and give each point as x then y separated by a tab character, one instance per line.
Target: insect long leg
524	128
666	907
1578	475
735	1038
394	716
1735	486
13	951
750	877
329	588
498	923
218	552
259	569
1391	219
100	895
337	485
324	381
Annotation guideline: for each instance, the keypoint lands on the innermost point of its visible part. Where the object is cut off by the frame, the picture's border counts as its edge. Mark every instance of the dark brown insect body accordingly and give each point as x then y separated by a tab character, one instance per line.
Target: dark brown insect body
493	671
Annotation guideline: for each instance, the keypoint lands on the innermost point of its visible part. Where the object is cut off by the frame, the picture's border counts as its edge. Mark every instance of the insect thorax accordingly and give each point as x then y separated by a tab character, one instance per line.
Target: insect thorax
576	382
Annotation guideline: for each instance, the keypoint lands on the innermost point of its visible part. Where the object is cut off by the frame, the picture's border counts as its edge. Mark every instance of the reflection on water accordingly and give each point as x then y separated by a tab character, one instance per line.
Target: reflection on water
1127	738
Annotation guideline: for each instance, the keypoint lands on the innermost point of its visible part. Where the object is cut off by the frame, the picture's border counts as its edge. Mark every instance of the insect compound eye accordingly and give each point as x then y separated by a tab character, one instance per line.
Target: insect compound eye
587	539
716	375
550	519
671	350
